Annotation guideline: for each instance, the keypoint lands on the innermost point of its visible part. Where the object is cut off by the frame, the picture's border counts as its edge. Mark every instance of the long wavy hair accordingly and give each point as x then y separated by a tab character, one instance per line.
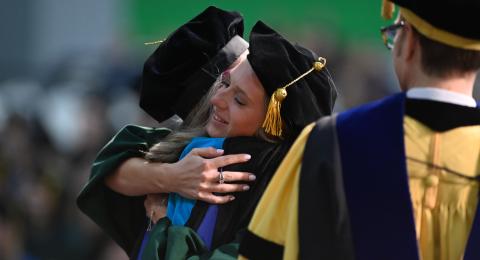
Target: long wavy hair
168	150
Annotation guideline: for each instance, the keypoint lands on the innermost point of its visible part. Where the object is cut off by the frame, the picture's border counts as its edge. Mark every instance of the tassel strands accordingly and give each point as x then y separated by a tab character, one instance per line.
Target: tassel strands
273	123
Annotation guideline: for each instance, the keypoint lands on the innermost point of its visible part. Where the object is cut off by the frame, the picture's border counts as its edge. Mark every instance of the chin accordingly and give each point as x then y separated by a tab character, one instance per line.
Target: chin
214	135
212	132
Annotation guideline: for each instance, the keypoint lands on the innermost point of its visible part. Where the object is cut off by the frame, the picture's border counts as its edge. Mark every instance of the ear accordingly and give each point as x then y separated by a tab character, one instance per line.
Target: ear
411	46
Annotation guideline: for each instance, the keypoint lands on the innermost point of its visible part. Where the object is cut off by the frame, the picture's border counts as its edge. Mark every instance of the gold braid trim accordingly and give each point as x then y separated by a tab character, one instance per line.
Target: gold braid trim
438	34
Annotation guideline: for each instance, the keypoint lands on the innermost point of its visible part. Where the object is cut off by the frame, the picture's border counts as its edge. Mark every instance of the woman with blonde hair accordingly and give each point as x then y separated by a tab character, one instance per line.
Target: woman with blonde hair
257	106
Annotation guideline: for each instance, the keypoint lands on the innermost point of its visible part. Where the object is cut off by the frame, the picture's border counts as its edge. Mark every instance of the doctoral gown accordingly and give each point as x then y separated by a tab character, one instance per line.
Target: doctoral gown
123	218
364	184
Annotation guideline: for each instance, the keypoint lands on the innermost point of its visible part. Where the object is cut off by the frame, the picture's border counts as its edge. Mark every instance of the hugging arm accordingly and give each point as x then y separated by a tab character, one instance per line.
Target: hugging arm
113	196
194	177
121	217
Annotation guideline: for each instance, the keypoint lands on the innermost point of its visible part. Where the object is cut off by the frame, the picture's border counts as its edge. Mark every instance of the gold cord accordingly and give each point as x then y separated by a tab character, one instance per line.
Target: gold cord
273	123
152	43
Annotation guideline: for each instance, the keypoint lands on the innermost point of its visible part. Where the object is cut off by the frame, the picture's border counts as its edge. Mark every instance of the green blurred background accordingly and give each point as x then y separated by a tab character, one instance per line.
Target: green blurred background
350	20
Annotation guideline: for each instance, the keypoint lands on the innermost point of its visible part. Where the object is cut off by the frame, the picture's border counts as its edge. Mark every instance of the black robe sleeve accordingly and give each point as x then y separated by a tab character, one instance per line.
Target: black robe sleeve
323	220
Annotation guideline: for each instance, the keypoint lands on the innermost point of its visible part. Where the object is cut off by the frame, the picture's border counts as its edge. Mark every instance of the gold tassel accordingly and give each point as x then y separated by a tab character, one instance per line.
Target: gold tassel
387	9
273	123
273	120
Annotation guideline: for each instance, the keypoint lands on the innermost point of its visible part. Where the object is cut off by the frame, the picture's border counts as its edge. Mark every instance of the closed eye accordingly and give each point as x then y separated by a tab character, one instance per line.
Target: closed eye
239	101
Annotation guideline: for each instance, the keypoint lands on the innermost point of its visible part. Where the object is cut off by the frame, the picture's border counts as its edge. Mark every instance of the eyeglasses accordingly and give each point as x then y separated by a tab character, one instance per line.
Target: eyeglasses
389	33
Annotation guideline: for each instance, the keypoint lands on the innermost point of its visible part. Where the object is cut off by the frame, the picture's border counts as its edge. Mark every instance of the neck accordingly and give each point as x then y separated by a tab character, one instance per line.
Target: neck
461	84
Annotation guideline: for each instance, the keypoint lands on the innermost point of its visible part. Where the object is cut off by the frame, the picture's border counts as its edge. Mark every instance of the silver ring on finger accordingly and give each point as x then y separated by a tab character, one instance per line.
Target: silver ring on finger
221	179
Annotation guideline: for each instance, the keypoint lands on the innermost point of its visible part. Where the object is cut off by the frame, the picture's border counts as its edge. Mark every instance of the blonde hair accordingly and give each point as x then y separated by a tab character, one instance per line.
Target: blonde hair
169	148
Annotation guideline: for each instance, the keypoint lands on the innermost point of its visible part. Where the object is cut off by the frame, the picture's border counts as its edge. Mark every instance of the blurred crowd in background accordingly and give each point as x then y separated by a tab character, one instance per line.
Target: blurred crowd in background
54	120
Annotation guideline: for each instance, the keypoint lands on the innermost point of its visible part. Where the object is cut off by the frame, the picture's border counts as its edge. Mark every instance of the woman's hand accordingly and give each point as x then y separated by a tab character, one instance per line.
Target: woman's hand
197	175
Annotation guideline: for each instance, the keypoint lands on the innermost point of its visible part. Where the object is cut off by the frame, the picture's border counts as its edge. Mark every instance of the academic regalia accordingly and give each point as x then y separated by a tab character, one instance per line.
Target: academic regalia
230	219
186	64
175	77
393	179
124	218
311	96
111	210
235	216
178	207
354	193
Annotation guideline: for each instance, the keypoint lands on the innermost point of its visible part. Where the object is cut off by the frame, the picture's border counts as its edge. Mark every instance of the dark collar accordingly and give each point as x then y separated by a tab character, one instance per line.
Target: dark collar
441	116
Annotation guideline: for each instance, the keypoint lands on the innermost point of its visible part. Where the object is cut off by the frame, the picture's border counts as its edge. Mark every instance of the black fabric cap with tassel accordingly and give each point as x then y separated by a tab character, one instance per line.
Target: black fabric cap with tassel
185	64
300	87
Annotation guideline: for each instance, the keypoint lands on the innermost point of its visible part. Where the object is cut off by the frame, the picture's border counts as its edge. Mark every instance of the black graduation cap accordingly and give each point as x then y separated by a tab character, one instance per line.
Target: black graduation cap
297	80
185	65
451	22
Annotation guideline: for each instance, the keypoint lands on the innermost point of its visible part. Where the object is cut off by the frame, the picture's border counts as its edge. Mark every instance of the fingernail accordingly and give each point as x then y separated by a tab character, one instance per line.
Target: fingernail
246	187
220	151
248	156
232	198
252	177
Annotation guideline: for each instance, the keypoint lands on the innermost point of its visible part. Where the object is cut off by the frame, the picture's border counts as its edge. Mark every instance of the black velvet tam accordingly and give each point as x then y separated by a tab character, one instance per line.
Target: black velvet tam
182	69
458	17
278	62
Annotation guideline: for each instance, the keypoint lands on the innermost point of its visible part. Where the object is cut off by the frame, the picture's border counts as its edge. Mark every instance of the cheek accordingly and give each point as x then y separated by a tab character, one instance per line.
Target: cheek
209	129
246	123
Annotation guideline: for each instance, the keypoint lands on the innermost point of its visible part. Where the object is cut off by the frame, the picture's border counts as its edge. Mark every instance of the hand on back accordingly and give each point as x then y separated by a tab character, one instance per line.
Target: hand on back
197	175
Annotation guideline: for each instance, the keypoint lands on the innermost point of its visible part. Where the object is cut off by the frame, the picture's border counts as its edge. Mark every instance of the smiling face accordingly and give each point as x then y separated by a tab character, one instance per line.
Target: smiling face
239	104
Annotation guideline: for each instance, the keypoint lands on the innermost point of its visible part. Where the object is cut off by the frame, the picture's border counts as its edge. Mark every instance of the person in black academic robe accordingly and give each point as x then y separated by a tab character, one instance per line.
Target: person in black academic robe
393	179
124	217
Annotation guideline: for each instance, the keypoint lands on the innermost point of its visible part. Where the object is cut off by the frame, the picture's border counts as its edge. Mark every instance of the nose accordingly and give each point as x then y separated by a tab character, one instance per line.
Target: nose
218	99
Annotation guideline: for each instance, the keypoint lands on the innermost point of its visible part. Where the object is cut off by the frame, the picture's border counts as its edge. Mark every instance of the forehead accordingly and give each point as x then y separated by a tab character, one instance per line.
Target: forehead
243	74
244	78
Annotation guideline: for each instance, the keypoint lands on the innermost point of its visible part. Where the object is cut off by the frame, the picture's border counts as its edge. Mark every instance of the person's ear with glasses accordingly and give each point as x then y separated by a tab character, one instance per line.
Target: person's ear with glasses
389	33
